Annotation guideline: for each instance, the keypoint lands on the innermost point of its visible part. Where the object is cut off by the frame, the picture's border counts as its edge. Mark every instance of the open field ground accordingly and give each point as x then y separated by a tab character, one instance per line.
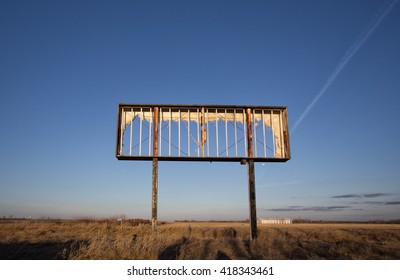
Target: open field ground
111	240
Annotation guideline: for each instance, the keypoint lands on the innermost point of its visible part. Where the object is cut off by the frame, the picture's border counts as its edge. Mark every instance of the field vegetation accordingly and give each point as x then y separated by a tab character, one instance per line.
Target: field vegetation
92	240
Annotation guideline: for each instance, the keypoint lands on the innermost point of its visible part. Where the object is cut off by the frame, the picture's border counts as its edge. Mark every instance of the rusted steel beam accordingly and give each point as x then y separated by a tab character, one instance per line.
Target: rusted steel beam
286	135
209	159
155	131
252	200
249	133
206	106
154	193
251	178
203	131
118	146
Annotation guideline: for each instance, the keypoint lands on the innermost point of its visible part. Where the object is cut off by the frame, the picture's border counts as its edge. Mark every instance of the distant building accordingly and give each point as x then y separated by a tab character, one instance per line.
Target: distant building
274	221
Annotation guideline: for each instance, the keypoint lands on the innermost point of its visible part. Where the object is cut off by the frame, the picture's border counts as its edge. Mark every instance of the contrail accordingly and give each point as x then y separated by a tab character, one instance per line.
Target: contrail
346	58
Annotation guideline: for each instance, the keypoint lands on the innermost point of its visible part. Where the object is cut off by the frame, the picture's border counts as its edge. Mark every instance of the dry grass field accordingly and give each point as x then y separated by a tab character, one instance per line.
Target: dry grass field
111	240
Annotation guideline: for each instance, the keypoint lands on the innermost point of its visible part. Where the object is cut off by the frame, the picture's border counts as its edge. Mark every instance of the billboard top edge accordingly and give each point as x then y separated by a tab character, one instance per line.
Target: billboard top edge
121	105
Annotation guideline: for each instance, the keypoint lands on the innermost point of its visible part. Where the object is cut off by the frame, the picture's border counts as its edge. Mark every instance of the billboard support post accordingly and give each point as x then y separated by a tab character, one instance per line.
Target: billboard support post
154	190
251	178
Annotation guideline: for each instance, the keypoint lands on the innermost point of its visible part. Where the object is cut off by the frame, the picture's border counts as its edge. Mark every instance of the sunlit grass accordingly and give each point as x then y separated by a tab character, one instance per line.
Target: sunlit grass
111	240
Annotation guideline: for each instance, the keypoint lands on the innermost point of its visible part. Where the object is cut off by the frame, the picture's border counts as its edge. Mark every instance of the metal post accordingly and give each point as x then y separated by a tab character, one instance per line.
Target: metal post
251	179
154	193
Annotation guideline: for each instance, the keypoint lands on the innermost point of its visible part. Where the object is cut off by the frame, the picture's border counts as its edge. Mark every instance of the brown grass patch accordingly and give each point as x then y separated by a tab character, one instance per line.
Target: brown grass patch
196	241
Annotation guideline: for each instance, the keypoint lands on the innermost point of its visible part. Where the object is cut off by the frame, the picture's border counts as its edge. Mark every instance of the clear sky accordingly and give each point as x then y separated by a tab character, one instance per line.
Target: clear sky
65	66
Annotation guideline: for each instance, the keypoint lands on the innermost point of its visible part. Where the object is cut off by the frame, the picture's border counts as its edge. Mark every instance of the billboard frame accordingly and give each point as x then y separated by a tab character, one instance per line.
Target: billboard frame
249	119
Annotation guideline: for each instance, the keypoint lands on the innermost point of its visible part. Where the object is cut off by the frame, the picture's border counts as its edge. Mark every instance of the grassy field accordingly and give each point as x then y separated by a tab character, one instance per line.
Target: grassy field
111	240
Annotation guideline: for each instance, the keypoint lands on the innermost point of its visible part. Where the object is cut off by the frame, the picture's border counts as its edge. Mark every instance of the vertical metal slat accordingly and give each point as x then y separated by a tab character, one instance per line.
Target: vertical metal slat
273	134
264	142
169	132
208	142
216	130
255	133
121	132
179	132
226	135
188	136
130	134
150	126
236	143
140	131
198	133
244	132
160	132
281	134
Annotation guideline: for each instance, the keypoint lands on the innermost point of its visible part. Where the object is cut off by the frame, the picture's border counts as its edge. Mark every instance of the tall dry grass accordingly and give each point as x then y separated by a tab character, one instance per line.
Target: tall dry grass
110	240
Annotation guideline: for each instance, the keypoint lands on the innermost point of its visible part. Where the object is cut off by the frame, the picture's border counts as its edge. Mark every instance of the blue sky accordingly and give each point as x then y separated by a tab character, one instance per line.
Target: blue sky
65	66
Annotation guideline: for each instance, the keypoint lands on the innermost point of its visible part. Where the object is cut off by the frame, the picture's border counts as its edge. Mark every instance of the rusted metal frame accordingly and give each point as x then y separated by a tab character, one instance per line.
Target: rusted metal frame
154	194
279	112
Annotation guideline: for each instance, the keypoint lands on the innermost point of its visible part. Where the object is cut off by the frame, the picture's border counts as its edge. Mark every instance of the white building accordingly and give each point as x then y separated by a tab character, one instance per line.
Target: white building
274	221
